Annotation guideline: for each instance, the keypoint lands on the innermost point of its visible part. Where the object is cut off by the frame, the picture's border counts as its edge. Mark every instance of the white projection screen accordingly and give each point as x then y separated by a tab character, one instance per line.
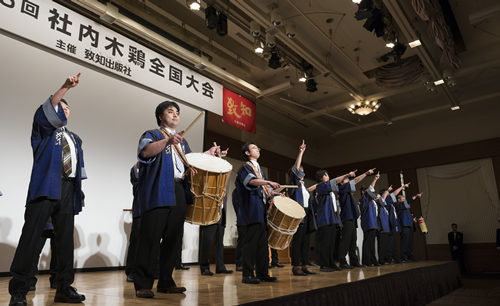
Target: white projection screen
109	113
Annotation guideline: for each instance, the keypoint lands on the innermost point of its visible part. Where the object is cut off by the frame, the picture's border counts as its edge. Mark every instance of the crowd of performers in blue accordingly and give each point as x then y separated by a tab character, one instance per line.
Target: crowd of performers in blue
161	196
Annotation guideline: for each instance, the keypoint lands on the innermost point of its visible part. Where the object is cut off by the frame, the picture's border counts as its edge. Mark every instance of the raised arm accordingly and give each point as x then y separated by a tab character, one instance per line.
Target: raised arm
397	191
302	148
417	196
386	193
342	177
69	83
375	179
312	188
360	177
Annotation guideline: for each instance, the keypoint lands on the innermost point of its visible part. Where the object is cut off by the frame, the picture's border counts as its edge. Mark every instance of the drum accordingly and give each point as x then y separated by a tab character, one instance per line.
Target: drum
208	188
283	219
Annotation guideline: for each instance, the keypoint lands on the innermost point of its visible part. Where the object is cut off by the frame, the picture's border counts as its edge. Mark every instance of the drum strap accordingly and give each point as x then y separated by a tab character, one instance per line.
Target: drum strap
177	149
265	188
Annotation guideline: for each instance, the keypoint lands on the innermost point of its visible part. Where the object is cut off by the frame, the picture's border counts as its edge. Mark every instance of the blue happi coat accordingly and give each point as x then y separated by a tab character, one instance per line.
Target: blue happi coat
393	217
349	206
155	187
252	207
46	139
323	204
404	214
297	195
383	217
369	210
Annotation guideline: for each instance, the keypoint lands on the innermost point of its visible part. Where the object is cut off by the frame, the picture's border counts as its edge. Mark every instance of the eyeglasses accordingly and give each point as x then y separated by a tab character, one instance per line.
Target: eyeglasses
257	148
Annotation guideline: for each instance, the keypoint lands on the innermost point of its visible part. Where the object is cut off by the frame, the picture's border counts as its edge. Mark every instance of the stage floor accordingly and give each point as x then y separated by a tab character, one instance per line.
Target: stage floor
110	288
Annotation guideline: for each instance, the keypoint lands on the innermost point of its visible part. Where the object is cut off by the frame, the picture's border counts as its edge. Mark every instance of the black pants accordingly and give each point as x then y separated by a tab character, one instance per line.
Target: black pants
165	224
255	250
299	247
459	255
178	256
348	243
36	216
406	238
325	244
239	246
383	248
410	243
207	235
132	245
47	234
368	256
274	257
392	245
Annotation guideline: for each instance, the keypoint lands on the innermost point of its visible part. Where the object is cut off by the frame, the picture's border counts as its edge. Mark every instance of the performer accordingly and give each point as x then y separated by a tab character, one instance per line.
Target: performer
369	212
299	248
162	201
254	192
393	223
48	233
383	227
456	241
54	191
405	219
208	234
349	215
136	225
326	211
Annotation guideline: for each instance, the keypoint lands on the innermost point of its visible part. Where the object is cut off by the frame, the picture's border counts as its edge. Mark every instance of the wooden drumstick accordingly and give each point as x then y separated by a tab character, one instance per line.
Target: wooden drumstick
127	209
218	153
193	123
289	186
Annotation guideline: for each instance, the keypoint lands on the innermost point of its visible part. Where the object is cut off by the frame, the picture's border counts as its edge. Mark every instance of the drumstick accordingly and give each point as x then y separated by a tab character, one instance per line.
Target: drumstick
290	186
218	153
193	123
127	209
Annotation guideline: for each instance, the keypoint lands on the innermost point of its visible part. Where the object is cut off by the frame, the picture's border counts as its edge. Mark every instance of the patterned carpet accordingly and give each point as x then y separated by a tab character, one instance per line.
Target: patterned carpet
475	291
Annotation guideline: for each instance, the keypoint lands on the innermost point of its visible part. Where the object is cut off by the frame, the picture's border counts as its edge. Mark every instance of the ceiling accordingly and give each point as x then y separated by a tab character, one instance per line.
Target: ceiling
338	46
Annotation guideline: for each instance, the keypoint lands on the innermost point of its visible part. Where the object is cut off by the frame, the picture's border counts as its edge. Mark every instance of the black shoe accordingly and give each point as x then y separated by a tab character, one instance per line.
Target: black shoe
359	266
376	264
277	265
130	279
207	272
224	272
268	278
308	271
298	272
54	284
326	269
335	268
346	267
312	264
182	267
69	295
250	280
18	298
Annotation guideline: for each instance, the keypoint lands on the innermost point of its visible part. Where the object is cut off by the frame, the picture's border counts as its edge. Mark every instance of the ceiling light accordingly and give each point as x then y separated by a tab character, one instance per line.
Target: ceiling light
455	108
270	40
415	43
258	46
290	30
302	77
211	17
254	28
439	82
426	78
396	53
276	17
222	25
447	74
311	85
430	87
356	1
274	61
364	108
451	82
390	44
193	4
266	53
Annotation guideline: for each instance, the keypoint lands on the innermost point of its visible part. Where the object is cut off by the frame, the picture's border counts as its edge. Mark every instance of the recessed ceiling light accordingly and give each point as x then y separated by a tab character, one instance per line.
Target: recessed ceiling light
439	82
415	43
455	107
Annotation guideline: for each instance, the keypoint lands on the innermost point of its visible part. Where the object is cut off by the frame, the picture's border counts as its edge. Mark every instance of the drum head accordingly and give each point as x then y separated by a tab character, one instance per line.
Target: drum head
289	207
209	163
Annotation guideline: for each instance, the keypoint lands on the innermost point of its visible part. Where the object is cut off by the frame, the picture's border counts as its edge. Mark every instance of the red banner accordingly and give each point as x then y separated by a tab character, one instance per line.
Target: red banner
238	111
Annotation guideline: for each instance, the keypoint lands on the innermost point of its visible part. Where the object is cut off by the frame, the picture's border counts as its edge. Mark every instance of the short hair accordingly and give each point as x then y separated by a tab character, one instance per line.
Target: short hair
400	196
364	188
454	224
246	148
382	191
319	175
160	109
64	101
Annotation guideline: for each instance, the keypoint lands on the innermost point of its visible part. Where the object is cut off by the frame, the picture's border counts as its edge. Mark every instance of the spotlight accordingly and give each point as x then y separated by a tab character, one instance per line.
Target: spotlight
390	44
258	46
311	85
211	17
426	78
193	4
447	74
451	82
254	28
274	61
356	1
376	22
302	77
391	40
365	8
439	82
270	41
222	25
415	43
266	53
276	17
396	53
430	87
290	30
